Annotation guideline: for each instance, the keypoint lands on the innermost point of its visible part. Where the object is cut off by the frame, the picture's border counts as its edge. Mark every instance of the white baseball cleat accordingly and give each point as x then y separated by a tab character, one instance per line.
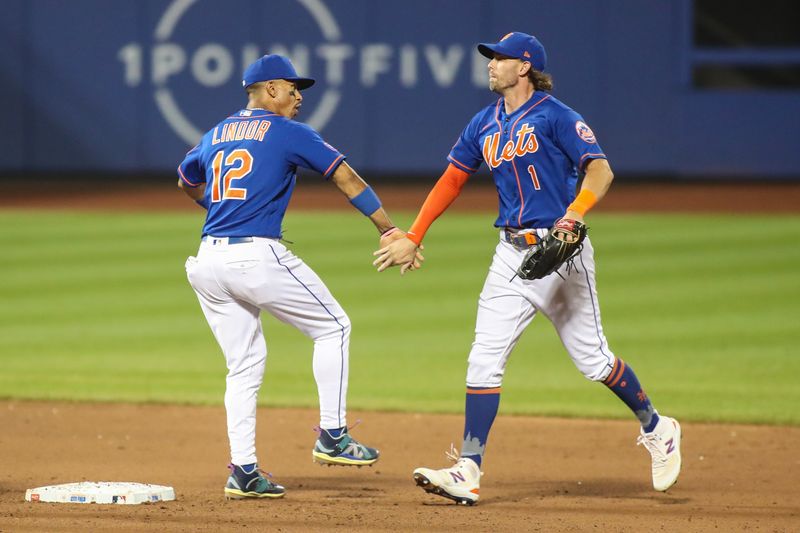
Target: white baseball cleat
460	483
664	445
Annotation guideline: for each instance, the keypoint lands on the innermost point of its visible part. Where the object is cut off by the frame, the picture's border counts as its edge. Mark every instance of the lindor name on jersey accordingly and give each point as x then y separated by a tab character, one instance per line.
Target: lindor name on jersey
237	131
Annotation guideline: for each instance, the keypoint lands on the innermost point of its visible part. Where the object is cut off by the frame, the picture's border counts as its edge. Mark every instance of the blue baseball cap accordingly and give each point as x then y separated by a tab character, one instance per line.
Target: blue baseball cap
274	67
517	45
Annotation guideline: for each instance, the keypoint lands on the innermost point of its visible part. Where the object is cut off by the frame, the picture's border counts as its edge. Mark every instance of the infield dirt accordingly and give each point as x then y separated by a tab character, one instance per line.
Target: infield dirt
540	474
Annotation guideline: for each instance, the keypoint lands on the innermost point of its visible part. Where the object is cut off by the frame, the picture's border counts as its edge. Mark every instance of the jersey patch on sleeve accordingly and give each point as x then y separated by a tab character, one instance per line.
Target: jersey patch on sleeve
585	132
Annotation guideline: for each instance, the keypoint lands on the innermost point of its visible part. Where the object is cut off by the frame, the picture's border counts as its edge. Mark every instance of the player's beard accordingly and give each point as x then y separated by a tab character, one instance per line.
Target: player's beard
496	85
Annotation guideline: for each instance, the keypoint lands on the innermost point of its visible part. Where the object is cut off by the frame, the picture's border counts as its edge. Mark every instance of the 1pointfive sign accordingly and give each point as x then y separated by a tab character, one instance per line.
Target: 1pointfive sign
213	64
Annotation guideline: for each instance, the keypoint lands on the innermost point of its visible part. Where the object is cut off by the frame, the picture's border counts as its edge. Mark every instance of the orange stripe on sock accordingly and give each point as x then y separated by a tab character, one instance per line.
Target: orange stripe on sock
496	390
613	373
617	373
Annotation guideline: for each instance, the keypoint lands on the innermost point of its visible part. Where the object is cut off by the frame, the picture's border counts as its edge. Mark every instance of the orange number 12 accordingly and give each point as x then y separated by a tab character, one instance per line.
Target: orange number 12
221	186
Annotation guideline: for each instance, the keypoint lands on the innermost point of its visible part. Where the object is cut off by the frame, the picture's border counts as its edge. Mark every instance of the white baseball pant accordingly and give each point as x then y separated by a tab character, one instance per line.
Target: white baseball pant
507	306
233	283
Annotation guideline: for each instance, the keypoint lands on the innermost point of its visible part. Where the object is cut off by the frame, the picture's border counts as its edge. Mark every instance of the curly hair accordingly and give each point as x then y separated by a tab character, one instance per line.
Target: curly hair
540	80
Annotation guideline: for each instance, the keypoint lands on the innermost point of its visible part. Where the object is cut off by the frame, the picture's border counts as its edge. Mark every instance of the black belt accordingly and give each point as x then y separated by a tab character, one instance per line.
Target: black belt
520	241
226	240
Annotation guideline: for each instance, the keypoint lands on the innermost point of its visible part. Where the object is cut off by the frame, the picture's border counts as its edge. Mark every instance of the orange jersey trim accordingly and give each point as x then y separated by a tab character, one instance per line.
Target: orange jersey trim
521	196
333	164
460	164
186	181
439	199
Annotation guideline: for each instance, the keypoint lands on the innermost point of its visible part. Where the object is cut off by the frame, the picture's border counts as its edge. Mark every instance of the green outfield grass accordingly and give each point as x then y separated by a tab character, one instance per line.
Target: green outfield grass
96	306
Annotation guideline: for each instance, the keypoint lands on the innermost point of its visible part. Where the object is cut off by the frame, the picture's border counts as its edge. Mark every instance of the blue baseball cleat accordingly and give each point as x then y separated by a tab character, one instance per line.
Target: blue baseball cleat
343	450
242	485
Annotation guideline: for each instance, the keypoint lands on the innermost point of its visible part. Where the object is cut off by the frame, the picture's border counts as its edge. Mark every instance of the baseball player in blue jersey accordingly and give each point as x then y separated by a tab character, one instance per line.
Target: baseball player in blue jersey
243	173
535	146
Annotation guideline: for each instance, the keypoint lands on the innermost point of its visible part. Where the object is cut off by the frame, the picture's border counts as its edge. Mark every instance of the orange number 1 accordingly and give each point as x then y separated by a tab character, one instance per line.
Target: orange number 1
534	177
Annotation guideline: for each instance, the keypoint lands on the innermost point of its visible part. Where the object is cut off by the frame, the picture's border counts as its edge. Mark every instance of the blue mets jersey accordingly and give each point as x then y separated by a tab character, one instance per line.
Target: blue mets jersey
534	155
249	163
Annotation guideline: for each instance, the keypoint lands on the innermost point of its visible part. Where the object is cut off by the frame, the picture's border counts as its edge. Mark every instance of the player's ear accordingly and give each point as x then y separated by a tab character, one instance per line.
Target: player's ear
524	69
272	90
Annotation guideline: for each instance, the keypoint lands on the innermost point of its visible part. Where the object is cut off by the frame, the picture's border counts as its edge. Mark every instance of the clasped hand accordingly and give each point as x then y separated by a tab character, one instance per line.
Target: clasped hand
396	249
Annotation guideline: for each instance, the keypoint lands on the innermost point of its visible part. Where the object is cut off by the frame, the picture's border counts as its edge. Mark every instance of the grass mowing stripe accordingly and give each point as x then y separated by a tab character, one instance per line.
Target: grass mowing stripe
97	307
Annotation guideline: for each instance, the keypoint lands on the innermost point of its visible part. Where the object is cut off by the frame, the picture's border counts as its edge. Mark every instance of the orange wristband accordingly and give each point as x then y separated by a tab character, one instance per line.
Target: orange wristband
583	202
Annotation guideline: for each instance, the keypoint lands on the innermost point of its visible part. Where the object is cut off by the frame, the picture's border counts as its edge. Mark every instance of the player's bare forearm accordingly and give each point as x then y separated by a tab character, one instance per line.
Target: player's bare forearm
382	221
348	181
596	182
351	184
598	177
195	193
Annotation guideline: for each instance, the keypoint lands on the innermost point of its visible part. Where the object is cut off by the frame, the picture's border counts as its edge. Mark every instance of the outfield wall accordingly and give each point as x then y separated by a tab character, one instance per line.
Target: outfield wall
119	86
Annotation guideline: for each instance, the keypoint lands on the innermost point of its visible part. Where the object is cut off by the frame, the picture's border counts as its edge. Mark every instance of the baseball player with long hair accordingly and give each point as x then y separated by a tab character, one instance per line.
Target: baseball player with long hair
243	173
534	146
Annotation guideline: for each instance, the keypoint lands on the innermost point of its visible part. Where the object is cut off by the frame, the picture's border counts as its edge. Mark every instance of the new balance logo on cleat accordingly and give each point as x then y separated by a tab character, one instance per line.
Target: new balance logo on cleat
664	445
457	476
460	483
343	451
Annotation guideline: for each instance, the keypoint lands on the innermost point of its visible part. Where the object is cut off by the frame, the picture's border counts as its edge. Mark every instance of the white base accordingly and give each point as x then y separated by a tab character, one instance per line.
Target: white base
117	492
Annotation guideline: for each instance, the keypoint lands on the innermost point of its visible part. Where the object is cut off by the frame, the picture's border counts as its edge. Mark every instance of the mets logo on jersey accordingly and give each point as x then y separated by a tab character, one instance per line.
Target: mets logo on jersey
585	132
526	143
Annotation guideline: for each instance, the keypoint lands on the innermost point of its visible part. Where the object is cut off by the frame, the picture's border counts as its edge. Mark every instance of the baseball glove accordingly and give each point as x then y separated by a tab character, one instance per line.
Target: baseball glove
563	242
